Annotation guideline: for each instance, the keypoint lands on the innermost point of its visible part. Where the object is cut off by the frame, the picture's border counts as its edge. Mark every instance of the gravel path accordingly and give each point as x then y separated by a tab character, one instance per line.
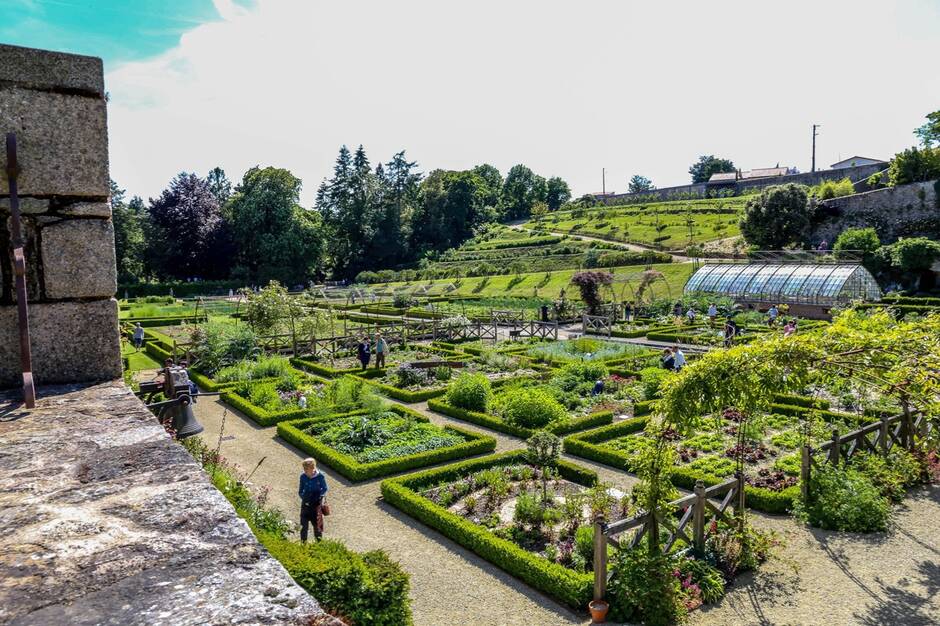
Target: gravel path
821	577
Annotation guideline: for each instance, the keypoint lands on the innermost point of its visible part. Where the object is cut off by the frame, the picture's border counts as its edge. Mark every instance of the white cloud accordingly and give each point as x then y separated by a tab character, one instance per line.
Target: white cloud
566	88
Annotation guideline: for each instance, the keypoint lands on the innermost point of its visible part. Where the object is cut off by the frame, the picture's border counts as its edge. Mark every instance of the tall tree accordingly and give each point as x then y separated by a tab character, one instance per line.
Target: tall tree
276	238
186	235
451	205
219	184
557	193
521	189
129	246
640	184
492	181
707	165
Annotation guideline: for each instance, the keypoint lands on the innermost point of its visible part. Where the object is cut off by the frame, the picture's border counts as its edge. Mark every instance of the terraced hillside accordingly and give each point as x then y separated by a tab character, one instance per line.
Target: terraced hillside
504	250
663	225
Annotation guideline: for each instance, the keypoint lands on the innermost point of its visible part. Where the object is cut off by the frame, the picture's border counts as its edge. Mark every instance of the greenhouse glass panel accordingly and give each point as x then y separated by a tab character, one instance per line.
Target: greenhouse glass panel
822	284
742	279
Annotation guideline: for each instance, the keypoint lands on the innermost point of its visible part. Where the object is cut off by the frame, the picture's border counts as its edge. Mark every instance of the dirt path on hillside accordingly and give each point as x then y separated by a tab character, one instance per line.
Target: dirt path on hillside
840	578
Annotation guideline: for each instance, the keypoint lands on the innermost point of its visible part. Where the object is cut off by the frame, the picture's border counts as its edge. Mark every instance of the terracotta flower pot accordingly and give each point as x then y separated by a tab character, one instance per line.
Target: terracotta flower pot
598	611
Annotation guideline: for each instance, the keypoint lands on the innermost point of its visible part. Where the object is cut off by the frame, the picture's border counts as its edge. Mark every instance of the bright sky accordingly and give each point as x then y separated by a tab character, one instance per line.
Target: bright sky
565	87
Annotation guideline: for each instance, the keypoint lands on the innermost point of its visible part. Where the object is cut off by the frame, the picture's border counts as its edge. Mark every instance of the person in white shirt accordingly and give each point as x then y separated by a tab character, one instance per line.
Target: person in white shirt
690	315
772	314
678	358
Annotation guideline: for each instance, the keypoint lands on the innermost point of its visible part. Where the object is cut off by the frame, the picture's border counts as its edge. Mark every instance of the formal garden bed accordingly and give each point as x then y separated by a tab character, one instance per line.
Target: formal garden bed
561	401
380	440
415	384
589	349
273	401
531	514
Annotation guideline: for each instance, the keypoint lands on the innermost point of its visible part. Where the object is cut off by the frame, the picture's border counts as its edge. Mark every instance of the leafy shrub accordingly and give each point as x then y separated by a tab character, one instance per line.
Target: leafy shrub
265	396
652	379
215	345
843	498
708	579
405	375
914	165
643	589
402	301
833	189
470	391
531	408
892	475
584	544
776	218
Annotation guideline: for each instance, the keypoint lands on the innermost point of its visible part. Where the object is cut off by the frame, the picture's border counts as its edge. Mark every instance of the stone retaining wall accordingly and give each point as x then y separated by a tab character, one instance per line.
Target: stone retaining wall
55	103
903	211
106	520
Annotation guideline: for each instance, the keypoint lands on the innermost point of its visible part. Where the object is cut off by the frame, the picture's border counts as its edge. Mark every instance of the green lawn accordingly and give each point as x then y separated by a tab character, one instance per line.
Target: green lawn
548	284
138	361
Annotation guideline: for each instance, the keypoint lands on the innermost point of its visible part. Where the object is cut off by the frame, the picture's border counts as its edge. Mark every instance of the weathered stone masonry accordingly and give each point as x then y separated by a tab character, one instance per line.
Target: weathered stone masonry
55	103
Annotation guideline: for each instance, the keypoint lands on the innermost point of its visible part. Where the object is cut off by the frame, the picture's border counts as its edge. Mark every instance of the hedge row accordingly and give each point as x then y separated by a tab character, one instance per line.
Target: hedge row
180	289
345	464
528	242
924	301
410	397
563	584
589	445
497	423
804	401
367	588
900	310
173	320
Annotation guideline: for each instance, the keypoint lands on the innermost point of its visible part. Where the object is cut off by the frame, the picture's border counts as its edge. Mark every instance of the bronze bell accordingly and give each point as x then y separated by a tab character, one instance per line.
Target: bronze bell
182	419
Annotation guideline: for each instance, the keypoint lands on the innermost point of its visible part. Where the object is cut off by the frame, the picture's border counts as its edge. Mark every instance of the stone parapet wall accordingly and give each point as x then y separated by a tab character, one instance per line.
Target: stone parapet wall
55	103
106	520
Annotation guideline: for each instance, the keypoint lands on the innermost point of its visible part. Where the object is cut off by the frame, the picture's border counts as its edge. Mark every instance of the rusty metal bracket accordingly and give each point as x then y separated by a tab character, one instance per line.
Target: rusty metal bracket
19	270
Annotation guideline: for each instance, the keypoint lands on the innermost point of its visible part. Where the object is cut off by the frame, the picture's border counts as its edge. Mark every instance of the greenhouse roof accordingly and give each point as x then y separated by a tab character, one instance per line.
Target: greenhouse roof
823	284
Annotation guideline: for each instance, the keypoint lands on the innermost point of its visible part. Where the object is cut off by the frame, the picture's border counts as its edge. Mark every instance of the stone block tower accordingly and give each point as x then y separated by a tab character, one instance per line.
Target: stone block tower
55	103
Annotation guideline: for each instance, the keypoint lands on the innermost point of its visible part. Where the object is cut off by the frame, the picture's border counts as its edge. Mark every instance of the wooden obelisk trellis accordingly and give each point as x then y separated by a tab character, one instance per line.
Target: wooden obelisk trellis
19	270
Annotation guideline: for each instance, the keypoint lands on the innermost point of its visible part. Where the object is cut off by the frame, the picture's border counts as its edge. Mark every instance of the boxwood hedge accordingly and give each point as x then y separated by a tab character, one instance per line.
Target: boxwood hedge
497	423
567	586
345	464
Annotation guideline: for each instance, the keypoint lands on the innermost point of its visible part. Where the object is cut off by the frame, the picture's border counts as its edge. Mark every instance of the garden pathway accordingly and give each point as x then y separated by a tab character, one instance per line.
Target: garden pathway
838	578
634	247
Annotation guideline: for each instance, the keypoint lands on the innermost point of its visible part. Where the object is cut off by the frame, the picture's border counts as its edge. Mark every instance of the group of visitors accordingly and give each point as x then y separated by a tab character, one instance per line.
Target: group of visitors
673	359
365	349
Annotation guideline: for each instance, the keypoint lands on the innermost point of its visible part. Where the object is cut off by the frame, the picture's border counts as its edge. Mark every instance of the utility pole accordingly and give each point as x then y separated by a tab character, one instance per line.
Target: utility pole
815	126
603	181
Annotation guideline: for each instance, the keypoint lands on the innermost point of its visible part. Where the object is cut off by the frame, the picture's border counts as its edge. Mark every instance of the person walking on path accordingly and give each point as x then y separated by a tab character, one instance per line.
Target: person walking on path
138	336
772	314
381	349
312	492
712	312
363	352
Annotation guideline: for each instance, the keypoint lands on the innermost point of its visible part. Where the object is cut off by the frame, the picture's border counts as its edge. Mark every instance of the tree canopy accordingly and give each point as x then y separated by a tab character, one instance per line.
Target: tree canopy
275	237
777	218
640	184
707	165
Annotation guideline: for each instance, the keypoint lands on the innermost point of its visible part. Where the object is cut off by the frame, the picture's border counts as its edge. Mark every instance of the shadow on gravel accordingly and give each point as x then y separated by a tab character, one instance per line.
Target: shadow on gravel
906	602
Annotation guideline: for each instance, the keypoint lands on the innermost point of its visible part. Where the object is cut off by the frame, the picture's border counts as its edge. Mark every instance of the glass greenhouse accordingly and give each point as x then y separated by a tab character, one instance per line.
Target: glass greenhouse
819	284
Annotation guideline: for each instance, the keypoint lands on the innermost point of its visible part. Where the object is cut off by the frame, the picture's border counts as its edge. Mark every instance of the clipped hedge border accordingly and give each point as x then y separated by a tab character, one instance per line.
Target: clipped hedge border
345	464
173	320
493	422
262	417
567	586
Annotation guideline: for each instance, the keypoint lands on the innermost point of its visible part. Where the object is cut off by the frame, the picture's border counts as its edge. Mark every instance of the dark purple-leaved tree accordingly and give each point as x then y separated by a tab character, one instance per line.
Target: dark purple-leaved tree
186	234
589	284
